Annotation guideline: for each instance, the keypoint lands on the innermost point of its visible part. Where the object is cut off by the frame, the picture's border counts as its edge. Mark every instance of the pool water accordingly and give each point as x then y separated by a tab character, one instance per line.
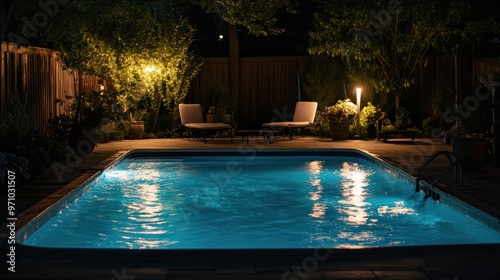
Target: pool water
256	202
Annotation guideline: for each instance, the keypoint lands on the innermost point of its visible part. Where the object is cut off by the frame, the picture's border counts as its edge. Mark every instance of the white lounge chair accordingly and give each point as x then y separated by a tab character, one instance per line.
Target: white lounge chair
192	119
303	117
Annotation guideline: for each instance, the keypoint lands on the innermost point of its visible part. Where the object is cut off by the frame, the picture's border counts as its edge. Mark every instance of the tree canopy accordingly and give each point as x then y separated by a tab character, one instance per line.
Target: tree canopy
385	41
258	16
141	45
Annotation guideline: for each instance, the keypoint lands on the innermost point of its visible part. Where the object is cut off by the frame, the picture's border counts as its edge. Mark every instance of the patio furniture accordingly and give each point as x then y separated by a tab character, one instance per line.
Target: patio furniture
246	133
386	134
303	117
192	119
267	133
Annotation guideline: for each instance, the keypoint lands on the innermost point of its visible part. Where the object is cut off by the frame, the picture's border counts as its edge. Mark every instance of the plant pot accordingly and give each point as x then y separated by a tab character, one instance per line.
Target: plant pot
210	118
83	139
339	131
470	152
137	129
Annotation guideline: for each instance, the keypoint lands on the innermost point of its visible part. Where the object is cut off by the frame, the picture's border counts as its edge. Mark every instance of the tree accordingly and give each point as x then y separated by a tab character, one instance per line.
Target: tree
258	16
143	47
472	36
325	80
385	40
5	12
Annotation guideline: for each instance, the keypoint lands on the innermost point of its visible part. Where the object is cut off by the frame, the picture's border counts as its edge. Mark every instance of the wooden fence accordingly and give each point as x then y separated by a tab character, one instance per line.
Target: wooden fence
438	77
269	86
41	76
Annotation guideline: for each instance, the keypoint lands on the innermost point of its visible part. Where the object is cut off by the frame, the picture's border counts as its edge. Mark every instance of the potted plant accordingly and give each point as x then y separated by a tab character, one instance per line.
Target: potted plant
137	124
469	138
470	148
340	116
210	116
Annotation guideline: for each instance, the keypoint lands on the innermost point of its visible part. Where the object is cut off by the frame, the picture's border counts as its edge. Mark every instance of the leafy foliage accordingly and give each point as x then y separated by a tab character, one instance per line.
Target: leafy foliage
325	79
385	41
370	114
22	148
342	111
258	16
403	119
142	46
223	108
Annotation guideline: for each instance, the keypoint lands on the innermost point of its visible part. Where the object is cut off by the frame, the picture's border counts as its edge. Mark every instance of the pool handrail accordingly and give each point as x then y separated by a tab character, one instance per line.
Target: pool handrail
453	164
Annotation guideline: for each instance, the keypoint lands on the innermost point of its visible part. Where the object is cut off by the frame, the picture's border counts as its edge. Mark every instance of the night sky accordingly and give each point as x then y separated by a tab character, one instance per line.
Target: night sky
293	41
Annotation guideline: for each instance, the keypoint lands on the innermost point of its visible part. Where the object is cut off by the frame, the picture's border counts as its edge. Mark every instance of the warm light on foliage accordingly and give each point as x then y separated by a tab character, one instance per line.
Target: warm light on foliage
342	111
143	49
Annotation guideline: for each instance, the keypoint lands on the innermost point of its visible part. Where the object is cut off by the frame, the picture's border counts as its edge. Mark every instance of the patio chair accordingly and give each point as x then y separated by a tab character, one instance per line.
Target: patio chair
192	120
303	117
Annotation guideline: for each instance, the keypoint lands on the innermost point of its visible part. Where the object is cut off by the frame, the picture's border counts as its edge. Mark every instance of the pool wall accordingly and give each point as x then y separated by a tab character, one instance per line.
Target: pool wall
29	228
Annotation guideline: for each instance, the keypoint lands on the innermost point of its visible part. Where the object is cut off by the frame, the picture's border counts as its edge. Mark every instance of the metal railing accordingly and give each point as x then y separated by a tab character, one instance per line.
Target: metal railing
454	164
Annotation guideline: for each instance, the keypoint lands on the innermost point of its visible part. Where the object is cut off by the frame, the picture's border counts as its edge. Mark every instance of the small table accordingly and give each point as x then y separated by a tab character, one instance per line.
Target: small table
246	133
385	134
268	133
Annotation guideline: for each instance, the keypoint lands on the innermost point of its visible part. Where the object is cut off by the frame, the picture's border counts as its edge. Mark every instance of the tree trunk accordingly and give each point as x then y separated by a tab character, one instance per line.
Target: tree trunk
234	67
398	95
157	111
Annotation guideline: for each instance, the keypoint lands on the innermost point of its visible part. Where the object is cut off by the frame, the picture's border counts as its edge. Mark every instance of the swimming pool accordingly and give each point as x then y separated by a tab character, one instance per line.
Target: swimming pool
242	200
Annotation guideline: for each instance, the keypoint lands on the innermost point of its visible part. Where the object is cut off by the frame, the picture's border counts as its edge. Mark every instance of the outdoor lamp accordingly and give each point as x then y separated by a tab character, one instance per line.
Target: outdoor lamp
100	85
358	103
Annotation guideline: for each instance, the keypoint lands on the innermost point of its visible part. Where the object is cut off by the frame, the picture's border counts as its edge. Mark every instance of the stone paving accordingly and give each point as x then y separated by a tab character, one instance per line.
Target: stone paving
431	262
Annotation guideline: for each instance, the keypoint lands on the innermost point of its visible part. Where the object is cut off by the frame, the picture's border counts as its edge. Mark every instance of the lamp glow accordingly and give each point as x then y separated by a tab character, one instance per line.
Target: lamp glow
150	69
358	102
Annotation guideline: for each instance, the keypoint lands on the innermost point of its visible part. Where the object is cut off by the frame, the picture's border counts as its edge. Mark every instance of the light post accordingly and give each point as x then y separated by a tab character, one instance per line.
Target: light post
358	103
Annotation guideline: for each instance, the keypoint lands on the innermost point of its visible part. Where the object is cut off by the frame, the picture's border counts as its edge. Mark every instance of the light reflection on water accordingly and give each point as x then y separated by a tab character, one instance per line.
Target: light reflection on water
319	208
354	183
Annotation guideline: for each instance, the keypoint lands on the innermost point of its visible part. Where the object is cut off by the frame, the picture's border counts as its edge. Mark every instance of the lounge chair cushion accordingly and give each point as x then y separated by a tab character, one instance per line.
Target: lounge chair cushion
305	112
208	126
286	124
299	124
276	124
190	113
303	116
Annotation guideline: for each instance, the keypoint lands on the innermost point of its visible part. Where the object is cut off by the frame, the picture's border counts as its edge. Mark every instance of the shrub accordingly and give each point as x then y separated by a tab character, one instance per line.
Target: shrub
403	119
13	163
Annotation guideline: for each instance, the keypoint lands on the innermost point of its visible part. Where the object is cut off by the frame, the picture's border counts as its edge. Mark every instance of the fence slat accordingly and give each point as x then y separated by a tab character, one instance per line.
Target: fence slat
38	73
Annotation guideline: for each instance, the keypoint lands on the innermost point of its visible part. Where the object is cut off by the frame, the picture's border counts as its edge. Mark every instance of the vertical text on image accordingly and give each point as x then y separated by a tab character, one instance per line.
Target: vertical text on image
11	220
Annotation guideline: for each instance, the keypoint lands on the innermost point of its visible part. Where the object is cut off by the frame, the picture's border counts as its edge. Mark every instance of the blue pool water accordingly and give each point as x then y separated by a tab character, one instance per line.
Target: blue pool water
254	202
